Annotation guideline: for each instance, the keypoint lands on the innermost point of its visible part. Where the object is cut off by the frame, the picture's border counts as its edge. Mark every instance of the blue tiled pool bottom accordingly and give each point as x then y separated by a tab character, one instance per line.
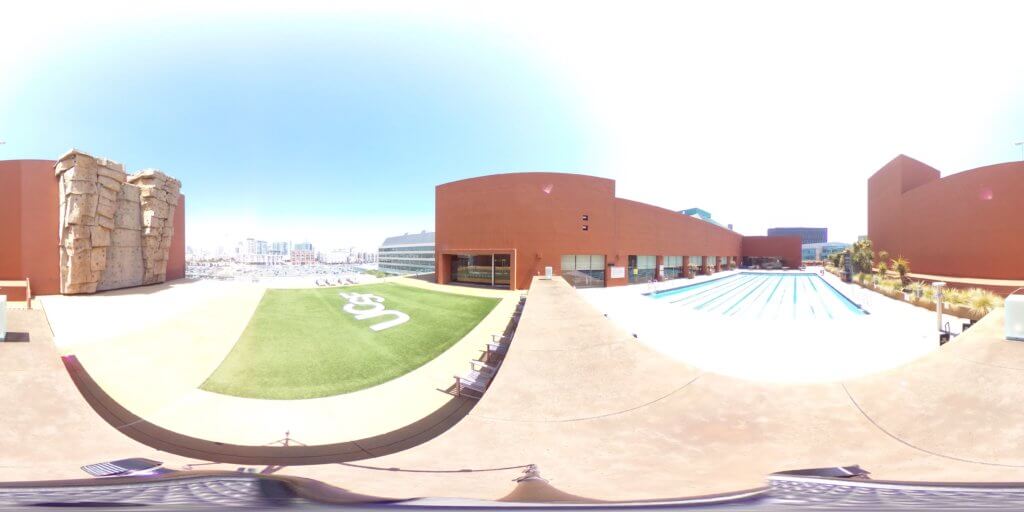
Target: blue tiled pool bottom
764	295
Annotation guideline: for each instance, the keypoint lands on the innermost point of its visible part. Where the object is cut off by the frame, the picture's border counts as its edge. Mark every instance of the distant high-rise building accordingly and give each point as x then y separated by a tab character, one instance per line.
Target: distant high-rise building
303	246
257	252
807	235
279	247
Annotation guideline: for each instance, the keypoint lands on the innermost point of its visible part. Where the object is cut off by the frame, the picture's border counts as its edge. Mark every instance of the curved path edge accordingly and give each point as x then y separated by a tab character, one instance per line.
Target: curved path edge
169	441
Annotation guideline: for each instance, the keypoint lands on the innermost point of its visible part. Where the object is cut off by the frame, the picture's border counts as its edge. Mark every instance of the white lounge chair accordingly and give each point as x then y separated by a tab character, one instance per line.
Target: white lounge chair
482	367
472	384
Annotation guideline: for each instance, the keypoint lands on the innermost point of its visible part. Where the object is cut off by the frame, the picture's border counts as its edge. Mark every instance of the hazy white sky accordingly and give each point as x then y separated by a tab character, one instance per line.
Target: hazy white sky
785	108
764	113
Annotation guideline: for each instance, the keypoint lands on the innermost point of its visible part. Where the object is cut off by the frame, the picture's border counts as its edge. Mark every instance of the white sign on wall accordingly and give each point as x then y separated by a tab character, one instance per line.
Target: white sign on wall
617	273
368	305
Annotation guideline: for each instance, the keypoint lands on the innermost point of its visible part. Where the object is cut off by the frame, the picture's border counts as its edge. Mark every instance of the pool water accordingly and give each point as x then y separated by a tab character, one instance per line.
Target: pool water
793	296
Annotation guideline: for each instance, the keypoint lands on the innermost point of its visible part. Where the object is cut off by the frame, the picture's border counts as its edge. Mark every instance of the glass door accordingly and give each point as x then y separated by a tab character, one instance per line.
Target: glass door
482	269
502	270
641	268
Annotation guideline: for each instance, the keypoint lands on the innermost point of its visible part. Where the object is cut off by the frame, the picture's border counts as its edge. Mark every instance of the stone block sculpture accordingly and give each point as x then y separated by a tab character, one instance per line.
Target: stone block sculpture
115	229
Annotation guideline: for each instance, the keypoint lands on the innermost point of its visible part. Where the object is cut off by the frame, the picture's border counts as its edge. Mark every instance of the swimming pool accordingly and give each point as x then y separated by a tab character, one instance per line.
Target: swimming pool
793	296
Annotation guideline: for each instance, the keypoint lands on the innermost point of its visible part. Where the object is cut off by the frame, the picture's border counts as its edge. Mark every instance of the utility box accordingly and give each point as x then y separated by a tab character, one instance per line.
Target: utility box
548	272
1015	318
3	317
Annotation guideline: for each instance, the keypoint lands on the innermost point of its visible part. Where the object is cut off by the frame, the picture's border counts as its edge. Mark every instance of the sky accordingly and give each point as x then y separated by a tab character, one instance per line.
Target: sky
332	122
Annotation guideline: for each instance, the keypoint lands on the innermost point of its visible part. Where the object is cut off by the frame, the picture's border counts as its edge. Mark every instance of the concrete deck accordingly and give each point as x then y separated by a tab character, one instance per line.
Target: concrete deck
776	350
605	417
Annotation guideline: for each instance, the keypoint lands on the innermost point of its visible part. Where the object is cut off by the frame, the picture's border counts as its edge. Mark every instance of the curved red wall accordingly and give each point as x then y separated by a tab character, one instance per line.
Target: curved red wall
538	217
29	228
969	224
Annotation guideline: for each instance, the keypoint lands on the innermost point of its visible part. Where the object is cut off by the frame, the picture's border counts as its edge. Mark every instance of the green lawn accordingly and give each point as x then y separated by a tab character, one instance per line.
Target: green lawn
300	344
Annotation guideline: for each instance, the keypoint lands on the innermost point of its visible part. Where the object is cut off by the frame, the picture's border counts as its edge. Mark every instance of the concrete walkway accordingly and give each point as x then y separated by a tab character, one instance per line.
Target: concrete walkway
47	430
172	337
605	417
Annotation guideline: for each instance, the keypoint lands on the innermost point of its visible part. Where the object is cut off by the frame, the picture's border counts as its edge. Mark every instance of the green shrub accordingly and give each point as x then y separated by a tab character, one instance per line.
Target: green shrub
954	296
893	286
917	288
981	302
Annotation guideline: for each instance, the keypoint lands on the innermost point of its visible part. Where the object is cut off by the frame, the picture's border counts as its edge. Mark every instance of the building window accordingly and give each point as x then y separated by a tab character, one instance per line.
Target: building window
586	217
640	268
583	270
673	267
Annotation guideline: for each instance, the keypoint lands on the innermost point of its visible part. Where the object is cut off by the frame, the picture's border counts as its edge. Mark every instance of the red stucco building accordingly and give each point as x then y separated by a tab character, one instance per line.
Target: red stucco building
969	224
502	230
30	228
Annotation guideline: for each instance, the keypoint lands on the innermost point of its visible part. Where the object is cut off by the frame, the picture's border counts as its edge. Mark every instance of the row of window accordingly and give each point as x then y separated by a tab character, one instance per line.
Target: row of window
587	270
419	248
405	269
407	257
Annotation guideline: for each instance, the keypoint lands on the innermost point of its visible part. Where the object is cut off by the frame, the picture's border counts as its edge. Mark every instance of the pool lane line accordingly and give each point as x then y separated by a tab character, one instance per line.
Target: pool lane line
725	294
825	296
768	301
689	287
760	286
686	298
751	311
693	297
846	301
795	286
821	298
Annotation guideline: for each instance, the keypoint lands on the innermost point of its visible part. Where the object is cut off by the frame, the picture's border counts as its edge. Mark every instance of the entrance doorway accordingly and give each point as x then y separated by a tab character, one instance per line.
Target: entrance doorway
482	269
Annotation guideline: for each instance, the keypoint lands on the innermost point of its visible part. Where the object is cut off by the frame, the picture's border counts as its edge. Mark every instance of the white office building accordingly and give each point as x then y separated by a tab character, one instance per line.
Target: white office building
407	254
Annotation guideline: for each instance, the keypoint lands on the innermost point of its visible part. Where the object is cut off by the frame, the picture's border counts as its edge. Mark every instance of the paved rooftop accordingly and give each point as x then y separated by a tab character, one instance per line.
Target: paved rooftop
606	417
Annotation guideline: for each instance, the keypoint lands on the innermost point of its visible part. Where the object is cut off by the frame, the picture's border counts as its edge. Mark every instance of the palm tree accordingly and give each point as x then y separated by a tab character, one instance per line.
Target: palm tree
902	267
863	256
